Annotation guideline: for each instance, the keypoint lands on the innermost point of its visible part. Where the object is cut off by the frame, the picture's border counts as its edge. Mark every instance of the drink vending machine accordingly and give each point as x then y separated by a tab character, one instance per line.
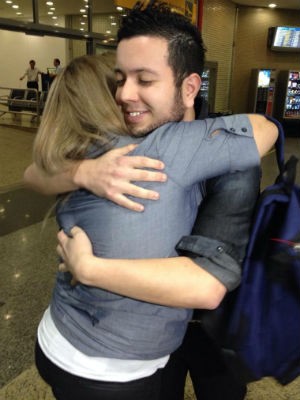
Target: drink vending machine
262	91
288	99
208	85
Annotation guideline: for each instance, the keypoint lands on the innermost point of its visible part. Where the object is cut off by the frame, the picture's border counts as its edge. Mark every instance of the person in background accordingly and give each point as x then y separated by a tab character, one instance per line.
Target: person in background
32	74
57	66
222	266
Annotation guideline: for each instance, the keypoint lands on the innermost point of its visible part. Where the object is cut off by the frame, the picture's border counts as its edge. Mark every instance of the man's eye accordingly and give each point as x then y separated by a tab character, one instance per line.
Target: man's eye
144	82
120	82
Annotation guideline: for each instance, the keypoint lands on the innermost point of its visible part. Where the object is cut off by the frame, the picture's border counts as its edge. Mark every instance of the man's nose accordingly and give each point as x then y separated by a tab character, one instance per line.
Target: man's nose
128	92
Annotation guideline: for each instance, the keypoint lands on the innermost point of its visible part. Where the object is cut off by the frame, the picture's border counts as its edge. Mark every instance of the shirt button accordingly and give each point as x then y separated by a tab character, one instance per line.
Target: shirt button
244	129
220	249
232	129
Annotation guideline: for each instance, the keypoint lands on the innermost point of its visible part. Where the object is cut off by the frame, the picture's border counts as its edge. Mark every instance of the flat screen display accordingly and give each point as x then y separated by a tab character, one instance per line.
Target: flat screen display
264	76
285	38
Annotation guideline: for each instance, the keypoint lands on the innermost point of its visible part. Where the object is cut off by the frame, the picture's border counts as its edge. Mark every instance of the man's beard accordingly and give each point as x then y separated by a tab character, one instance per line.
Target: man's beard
175	115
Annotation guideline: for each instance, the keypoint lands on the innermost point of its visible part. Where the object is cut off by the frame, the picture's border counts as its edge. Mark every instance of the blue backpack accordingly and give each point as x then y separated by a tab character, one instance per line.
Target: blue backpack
259	327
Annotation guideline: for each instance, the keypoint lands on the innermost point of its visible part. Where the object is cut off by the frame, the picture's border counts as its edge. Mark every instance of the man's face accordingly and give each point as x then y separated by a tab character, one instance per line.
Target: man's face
146	91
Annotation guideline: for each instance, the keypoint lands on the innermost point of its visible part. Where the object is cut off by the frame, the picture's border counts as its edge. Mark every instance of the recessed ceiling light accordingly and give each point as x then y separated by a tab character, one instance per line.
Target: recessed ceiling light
8	1
272	5
49	3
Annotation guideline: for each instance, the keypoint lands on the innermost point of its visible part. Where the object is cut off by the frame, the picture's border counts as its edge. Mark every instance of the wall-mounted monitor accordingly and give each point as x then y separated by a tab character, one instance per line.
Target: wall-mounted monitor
284	38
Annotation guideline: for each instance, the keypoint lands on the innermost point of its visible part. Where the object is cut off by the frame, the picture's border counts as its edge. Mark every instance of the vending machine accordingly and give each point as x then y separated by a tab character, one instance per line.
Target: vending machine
208	85
288	95
262	91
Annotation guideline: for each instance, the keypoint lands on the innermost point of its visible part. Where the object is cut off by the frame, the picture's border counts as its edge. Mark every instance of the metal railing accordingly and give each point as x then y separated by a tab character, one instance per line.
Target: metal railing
22	101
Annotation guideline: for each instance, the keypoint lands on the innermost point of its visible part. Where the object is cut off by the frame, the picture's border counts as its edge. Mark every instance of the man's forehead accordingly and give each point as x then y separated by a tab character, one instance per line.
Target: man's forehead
142	54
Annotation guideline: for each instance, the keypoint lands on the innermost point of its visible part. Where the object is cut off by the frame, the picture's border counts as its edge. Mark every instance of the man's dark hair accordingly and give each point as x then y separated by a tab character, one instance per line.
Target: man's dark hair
57	60
185	44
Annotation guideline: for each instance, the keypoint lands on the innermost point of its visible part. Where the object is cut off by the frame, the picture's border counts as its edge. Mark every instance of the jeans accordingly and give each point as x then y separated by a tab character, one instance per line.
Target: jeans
66	386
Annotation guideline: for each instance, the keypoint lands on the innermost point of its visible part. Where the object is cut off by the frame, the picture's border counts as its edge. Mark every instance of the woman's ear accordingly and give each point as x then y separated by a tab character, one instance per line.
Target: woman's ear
190	88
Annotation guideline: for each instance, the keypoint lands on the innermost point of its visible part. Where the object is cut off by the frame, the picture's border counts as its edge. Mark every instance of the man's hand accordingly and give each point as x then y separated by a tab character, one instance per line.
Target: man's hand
111	176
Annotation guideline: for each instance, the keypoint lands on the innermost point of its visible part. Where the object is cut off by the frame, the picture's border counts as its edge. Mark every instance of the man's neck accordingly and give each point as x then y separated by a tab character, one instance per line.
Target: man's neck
189	114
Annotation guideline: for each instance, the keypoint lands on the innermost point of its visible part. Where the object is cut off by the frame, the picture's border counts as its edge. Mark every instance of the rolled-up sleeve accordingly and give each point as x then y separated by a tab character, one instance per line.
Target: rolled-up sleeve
220	235
214	256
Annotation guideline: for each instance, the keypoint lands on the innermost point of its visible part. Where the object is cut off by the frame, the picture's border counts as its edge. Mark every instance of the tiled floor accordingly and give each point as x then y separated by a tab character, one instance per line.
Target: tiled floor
28	264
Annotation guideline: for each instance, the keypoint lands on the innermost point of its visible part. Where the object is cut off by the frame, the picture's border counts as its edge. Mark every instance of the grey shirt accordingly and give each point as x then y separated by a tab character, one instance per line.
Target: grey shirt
100	323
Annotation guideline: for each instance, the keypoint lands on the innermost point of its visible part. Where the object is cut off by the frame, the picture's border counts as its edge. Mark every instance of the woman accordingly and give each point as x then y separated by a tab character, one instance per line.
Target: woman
104	342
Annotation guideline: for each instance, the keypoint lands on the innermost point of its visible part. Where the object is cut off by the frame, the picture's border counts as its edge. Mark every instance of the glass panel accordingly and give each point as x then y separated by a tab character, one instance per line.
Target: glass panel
73	14
20	10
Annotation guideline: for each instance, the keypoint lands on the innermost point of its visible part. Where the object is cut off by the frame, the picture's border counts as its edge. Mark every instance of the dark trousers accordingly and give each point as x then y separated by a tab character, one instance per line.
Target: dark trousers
66	386
33	85
201	357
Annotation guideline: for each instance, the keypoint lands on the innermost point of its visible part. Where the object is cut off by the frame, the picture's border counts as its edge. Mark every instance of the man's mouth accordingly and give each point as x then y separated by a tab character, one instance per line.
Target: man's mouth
135	113
134	117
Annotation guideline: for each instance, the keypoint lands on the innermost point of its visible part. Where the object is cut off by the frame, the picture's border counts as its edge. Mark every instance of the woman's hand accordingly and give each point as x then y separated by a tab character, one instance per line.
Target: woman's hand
76	252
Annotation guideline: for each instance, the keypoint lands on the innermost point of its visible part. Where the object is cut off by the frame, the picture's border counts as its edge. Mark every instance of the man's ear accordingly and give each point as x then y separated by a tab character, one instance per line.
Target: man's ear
190	88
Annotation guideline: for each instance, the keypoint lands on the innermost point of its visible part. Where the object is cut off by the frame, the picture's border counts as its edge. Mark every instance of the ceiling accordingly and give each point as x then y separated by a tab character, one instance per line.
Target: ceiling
62	8
288	4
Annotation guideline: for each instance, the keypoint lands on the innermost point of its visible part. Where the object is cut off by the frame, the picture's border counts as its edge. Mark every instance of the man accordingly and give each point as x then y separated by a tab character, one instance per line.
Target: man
57	66
150	93
32	74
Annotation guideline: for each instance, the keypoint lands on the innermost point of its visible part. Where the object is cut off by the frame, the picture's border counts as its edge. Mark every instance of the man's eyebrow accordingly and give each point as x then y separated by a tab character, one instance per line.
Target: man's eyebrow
136	71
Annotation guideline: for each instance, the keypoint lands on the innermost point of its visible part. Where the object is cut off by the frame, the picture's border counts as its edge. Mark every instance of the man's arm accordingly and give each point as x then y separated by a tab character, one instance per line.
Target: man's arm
108	176
221	232
265	133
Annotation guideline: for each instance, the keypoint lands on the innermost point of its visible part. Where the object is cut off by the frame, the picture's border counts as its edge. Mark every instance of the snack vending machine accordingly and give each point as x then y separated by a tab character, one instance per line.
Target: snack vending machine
288	99
262	91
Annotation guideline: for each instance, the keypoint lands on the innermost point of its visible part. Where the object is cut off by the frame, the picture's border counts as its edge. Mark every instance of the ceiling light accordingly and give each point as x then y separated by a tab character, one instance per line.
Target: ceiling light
120	8
49	3
15	6
8	1
272	5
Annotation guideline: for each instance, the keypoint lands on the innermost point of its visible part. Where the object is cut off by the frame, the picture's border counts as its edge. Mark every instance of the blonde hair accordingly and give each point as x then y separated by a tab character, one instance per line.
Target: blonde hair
80	111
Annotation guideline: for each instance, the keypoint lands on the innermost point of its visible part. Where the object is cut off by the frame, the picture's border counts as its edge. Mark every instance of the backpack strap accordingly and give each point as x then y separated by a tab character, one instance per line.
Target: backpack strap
288	170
